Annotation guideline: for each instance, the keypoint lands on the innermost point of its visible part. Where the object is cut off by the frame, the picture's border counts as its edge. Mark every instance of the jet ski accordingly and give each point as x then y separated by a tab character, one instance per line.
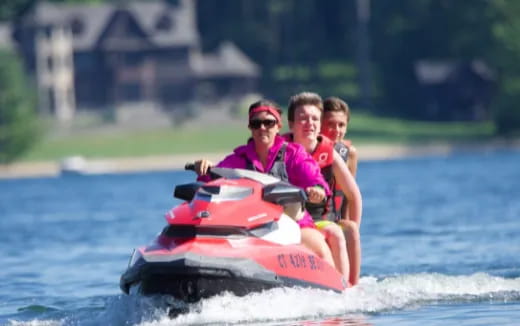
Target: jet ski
232	234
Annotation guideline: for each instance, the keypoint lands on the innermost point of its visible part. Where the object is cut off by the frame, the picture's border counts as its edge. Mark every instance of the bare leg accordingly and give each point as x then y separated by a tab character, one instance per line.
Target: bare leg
352	236
315	241
338	246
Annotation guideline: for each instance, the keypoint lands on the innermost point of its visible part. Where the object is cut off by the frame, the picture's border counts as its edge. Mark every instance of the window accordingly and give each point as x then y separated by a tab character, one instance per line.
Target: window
50	64
130	92
77	26
131	59
51	100
164	23
47	30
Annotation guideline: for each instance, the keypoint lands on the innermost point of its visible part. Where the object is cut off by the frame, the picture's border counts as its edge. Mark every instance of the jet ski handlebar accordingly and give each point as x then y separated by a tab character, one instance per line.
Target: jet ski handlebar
189	166
274	190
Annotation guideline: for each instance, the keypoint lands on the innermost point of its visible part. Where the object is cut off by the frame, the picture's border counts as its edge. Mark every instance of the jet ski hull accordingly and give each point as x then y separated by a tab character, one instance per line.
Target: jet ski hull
201	268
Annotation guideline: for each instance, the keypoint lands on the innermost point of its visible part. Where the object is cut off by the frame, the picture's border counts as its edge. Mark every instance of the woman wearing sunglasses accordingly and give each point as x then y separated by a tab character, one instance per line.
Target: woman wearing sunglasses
304	115
268	152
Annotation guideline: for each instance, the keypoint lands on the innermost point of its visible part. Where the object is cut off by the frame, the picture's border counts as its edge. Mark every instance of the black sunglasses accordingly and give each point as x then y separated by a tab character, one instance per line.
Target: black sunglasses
257	123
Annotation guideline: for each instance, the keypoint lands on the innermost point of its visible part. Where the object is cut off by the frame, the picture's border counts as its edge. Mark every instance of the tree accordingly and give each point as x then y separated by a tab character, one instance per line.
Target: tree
9	8
19	126
407	31
505	29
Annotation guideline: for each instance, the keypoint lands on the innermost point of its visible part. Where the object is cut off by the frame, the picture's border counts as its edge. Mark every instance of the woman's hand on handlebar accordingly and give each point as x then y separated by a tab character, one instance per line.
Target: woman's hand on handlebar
315	194
202	166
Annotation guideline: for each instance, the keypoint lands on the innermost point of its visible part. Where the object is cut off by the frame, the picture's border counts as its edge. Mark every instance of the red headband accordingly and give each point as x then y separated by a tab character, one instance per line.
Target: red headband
268	109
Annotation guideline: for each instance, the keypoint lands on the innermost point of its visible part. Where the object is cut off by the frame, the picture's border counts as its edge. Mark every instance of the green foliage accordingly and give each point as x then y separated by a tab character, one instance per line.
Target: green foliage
327	78
336	70
507	117
506	113
9	8
18	121
407	31
506	28
313	45
367	128
292	73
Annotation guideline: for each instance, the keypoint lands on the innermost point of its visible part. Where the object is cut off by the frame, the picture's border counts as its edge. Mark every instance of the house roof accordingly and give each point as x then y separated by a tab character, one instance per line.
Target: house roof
227	61
164	26
95	18
433	72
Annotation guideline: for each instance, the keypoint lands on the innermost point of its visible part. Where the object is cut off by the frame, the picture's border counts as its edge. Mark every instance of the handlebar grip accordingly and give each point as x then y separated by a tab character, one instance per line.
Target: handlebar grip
189	167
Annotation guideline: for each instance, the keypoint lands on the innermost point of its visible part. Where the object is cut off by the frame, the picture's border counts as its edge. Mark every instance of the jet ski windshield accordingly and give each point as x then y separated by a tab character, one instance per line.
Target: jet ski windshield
222	193
262	178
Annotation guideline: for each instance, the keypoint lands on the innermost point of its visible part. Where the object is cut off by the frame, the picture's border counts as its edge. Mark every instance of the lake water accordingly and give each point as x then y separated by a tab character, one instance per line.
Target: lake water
440	236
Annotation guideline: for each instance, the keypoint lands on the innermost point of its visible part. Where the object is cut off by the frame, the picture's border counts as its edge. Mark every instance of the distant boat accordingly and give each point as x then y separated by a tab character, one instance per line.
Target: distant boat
79	165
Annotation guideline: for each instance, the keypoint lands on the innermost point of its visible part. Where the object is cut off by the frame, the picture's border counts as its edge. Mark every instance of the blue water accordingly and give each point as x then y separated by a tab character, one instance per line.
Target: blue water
440	236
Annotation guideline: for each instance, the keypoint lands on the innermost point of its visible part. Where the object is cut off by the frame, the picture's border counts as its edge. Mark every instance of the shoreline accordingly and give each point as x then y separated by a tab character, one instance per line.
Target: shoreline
366	152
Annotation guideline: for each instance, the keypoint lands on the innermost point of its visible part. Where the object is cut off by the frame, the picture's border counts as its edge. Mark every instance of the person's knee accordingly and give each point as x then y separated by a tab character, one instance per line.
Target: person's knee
351	229
335	235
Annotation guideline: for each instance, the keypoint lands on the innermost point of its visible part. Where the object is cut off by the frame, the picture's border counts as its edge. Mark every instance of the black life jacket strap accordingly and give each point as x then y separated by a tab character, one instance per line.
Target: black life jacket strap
342	150
279	168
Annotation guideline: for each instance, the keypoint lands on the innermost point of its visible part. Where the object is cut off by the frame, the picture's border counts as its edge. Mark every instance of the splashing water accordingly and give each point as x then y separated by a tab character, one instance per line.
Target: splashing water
287	305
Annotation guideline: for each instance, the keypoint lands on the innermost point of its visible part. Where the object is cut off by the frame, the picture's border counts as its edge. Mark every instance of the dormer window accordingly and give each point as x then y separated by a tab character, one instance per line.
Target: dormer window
164	23
77	26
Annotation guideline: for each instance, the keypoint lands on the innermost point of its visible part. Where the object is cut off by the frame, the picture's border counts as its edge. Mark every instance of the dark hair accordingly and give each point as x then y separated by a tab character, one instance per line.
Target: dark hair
335	104
304	98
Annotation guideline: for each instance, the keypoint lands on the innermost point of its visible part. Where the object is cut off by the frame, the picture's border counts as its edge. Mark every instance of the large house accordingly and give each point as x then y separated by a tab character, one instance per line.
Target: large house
98	57
456	91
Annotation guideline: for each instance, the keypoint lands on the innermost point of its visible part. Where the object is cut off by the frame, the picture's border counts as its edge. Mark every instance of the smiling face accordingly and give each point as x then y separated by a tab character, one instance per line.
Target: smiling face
334	125
306	124
264	135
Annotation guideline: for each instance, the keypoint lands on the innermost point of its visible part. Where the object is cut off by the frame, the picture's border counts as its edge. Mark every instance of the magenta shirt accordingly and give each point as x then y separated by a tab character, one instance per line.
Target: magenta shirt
302	169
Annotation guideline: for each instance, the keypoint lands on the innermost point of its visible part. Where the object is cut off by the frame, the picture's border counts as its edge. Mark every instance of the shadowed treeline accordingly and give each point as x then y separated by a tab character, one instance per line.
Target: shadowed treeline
421	59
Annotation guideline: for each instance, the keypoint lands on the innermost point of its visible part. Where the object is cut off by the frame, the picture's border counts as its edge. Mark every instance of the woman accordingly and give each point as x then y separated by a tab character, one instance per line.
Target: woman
336	117
305	113
268	152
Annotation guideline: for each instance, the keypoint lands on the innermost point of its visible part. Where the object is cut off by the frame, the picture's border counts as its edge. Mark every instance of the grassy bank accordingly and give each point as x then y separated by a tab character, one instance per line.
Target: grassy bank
366	128
139	143
212	138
